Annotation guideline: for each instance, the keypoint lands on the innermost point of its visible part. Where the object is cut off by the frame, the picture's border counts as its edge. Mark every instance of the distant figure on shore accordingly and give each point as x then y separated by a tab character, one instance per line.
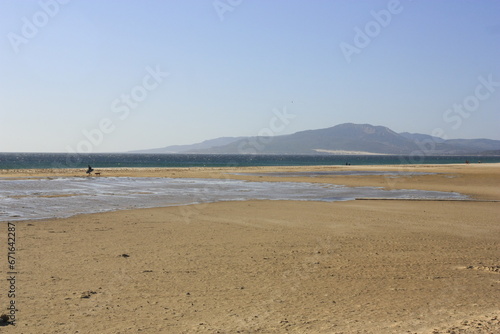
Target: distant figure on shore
89	170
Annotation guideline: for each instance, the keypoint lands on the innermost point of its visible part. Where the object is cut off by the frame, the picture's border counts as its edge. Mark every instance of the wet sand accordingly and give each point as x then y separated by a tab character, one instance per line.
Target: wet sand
269	266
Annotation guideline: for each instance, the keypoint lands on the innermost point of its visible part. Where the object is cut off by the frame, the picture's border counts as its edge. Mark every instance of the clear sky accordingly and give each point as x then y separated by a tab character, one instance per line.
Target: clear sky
113	76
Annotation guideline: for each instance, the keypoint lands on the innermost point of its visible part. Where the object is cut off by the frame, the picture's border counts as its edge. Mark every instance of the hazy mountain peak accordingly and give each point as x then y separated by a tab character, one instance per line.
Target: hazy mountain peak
347	137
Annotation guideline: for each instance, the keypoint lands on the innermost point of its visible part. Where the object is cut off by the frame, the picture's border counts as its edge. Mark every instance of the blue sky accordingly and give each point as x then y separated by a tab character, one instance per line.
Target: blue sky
113	76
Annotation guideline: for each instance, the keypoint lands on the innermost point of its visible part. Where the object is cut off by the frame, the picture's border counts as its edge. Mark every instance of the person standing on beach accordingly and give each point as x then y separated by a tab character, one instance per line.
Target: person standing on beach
89	170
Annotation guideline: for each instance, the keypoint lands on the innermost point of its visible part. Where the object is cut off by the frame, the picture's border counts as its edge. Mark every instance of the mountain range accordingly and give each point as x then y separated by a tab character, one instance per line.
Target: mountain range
345	138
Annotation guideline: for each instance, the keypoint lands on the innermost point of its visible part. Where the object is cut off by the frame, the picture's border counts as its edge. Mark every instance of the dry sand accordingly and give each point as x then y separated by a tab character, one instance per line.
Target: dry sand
269	266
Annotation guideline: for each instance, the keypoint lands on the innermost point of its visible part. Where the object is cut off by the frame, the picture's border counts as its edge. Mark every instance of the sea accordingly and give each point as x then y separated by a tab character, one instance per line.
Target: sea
102	160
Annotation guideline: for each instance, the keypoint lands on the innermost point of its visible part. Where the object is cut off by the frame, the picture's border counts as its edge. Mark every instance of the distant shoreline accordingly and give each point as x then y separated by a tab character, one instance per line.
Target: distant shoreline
342	152
9	161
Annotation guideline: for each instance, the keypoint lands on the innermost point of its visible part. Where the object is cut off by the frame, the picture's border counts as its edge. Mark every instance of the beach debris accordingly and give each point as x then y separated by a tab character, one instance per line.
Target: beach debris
124	255
87	294
4	319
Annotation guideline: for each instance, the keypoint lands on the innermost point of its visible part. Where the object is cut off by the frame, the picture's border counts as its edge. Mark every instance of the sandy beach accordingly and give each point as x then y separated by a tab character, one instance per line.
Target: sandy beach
364	266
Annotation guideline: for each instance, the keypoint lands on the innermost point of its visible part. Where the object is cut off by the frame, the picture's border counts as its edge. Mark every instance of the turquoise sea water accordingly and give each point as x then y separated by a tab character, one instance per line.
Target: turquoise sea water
99	160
